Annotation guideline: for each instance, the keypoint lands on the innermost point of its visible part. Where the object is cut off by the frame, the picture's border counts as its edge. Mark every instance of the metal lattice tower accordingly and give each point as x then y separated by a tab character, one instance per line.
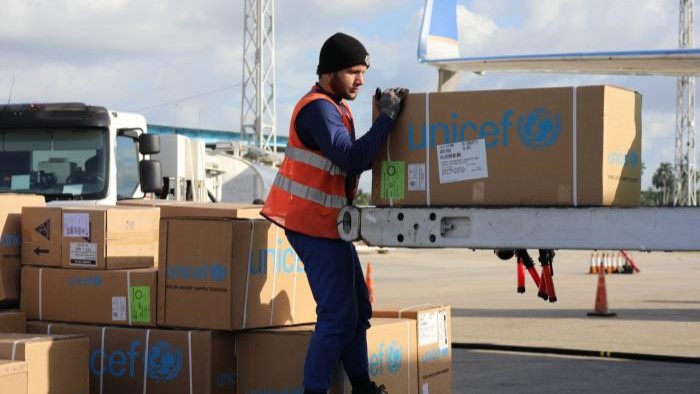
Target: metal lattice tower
258	108
684	169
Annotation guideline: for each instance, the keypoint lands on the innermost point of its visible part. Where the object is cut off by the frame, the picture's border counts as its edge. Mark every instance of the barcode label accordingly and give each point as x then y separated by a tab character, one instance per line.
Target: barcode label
462	161
76	225
83	253
118	308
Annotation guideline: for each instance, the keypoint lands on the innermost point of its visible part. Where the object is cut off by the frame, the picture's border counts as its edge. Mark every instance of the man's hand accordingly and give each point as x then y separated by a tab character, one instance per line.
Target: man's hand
390	101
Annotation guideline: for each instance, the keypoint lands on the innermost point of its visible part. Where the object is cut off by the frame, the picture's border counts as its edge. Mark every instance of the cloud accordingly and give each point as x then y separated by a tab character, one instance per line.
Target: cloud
181	61
475	30
117	27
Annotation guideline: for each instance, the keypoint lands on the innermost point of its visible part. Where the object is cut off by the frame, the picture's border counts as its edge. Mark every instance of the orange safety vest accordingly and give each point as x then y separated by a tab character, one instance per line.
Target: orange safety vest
309	190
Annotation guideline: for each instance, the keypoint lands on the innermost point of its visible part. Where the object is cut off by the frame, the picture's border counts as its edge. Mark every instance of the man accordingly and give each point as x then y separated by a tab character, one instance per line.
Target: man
318	176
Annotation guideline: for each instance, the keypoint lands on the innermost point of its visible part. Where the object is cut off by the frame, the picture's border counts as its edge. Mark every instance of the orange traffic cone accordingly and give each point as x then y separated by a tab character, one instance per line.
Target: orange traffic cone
601	298
370	282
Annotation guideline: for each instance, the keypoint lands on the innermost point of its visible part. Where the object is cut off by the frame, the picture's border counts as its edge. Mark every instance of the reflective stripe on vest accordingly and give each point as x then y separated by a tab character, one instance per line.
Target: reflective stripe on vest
308	193
309	189
313	159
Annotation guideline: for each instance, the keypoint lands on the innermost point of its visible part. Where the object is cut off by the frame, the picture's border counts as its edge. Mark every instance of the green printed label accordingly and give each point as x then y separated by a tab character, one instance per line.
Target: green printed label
140	304
393	180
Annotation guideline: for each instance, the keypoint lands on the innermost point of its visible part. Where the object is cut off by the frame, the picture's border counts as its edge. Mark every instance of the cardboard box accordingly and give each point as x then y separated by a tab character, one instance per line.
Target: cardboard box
178	361
117	297
272	360
56	364
531	147
13	322
41	236
171	209
102	237
434	343
11	241
220	272
13	377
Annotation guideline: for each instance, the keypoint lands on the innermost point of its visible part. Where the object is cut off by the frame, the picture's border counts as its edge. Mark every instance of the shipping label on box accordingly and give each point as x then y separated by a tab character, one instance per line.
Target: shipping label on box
118	297
109	237
55	363
530	147
245	267
170	361
11	241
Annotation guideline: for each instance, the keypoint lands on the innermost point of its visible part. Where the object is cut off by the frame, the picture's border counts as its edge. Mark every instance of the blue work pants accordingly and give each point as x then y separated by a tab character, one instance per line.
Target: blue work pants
342	307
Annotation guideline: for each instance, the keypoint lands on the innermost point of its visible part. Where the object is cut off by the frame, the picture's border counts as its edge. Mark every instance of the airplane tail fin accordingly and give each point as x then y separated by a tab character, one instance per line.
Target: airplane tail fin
439	38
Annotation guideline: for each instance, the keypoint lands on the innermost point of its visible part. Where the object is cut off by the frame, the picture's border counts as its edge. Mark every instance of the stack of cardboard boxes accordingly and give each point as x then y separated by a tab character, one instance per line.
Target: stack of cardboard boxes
407	352
164	297
31	363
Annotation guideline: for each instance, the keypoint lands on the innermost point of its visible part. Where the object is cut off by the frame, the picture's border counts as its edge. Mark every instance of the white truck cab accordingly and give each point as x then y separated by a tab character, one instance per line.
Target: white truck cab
73	153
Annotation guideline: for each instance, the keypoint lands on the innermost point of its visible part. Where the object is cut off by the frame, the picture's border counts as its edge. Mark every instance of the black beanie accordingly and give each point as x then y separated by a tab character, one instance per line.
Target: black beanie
341	51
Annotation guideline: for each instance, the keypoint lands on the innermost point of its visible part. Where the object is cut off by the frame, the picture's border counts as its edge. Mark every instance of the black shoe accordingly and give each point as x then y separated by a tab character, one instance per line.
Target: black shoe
372	389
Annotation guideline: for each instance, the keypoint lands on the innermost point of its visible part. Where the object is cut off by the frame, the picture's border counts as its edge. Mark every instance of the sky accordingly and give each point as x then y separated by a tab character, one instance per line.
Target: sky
179	62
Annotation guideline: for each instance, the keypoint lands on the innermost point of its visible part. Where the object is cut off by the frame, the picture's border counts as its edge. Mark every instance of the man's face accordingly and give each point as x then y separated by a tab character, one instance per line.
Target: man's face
346	83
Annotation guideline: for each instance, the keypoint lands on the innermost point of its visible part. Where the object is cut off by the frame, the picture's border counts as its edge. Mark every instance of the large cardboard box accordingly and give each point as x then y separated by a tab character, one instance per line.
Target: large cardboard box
272	360
117	297
13	377
171	361
11	241
56	364
13	321
567	146
90	237
222	272
109	237
434	343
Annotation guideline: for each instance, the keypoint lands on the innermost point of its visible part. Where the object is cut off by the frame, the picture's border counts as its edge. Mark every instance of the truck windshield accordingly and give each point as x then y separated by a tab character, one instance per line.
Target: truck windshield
59	163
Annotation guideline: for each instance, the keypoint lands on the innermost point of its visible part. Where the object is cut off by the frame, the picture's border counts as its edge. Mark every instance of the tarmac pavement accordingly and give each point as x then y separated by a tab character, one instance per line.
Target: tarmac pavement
658	313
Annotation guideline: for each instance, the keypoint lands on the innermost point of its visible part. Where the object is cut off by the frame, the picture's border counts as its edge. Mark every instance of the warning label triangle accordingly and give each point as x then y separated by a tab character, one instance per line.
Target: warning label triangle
45	229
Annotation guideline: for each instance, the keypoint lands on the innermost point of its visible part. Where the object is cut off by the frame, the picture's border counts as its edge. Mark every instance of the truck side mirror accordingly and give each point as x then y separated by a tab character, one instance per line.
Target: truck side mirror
149	144
150	176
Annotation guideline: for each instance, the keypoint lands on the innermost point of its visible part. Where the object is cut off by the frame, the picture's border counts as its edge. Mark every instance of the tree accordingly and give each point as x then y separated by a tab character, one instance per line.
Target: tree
649	198
664	182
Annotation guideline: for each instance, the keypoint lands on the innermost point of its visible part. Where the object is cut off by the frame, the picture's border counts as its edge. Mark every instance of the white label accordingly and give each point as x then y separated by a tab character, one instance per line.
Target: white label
83	253
73	189
118	308
442	330
416	177
462	161
427	328
426	389
76	225
20	182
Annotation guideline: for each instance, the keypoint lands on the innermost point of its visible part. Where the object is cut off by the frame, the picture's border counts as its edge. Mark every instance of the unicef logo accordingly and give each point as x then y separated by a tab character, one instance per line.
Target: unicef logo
217	272
164	362
393	357
539	129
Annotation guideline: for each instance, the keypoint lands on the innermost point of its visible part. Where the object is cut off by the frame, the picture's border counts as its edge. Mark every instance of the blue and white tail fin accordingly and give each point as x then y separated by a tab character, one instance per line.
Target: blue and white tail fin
438	46
439	36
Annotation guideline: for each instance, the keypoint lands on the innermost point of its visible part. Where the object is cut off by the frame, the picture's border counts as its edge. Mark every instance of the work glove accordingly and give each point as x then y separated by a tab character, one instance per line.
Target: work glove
390	101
